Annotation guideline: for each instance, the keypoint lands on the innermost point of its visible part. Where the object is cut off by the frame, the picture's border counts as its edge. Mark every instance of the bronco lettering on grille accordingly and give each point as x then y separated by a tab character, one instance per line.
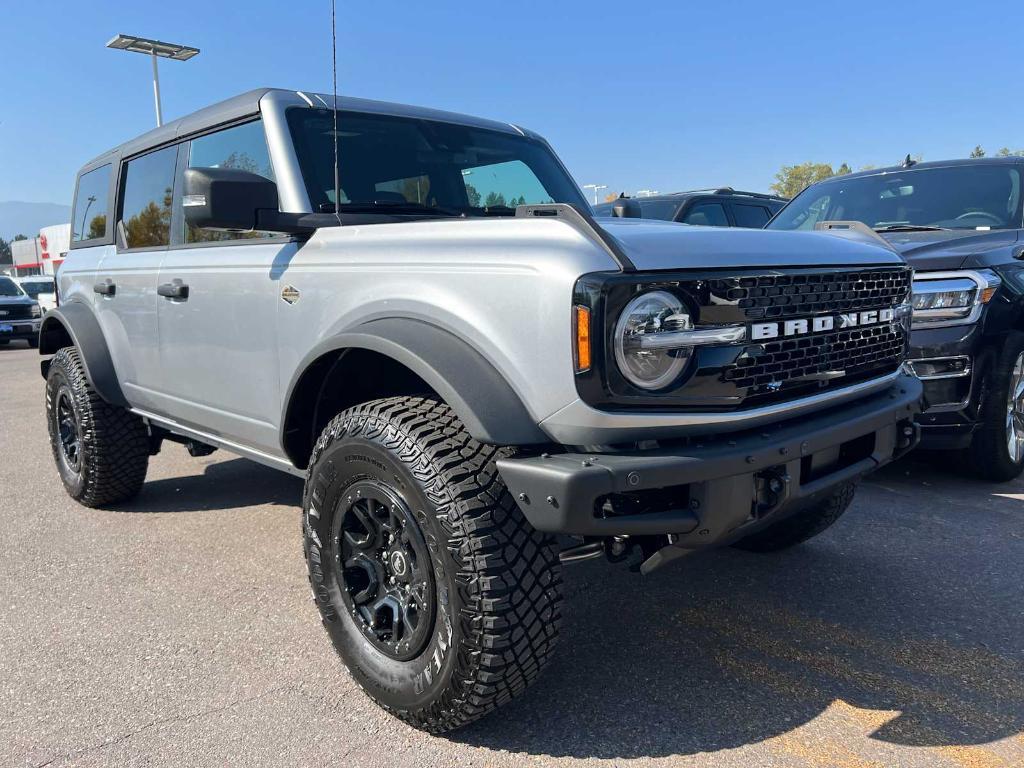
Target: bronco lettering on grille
820	324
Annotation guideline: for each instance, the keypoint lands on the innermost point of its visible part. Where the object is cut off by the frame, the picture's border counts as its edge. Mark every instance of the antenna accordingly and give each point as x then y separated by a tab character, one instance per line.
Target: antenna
334	77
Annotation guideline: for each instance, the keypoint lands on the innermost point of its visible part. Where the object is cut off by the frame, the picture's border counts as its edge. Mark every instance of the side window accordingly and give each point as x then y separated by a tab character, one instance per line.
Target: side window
659	209
243	147
753	216
89	217
146	202
707	214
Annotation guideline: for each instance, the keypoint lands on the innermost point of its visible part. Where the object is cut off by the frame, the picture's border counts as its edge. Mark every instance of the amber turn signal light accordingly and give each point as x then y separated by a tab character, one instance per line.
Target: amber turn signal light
581	323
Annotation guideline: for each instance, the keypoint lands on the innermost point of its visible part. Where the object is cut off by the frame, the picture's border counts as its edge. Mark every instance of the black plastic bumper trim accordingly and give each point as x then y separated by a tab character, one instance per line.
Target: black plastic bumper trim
558	493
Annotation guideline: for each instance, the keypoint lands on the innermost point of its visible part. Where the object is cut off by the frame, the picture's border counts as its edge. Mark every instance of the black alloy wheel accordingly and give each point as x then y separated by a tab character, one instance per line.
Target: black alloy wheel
383	566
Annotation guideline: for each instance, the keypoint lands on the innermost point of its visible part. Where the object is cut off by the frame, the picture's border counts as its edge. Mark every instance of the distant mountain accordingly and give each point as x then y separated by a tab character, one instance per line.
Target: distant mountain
18	218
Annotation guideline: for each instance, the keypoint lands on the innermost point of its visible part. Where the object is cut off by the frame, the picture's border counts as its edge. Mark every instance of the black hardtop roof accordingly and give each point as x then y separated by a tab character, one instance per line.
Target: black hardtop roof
248	103
711	192
1010	160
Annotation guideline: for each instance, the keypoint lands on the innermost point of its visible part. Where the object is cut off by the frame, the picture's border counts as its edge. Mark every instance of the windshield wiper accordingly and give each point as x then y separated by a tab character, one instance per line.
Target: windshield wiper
496	210
910	228
391	206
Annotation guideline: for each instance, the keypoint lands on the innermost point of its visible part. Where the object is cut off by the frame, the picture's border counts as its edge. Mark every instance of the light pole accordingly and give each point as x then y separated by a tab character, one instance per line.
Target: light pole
154	48
595	187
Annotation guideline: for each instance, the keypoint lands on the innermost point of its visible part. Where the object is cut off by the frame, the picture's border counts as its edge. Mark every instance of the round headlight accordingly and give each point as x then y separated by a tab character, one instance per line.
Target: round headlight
649	314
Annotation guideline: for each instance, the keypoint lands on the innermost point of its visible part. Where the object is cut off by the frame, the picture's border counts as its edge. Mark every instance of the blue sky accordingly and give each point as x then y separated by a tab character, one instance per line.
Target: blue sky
663	95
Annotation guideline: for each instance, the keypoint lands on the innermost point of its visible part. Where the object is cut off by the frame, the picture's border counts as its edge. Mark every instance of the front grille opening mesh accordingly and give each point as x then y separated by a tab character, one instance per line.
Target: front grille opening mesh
850	353
772	296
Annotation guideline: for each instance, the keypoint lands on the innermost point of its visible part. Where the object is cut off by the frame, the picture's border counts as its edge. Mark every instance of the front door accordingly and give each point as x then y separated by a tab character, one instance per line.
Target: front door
126	276
217	307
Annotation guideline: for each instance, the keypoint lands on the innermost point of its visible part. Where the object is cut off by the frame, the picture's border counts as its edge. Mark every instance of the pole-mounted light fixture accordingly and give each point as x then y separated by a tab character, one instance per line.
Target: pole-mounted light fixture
155	48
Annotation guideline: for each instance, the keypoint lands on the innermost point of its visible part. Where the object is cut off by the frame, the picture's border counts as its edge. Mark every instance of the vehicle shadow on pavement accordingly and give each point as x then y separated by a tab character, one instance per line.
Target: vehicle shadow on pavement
222	485
887	623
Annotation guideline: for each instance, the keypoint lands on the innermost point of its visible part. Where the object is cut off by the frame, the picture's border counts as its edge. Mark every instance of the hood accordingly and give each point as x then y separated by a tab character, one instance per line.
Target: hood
16	301
654	245
948	249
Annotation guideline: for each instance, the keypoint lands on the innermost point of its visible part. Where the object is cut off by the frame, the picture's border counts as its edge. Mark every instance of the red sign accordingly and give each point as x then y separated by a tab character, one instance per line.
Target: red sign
42	244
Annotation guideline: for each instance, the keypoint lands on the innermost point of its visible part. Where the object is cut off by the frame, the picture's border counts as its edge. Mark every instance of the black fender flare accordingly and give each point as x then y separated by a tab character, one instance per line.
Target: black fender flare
77	322
480	396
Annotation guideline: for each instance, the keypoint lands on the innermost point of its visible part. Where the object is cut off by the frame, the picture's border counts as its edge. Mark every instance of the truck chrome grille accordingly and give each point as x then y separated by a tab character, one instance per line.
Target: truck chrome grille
777	296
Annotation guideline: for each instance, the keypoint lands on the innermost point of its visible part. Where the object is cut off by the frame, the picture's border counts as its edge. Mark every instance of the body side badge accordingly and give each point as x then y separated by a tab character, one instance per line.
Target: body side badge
290	294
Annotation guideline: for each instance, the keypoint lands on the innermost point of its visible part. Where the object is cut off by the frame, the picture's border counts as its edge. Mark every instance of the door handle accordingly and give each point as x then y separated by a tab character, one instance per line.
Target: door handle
106	288
173	290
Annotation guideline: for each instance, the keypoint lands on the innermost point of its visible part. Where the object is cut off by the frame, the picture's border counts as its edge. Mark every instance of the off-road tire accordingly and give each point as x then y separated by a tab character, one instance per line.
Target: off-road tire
113	442
497	581
801	526
988	457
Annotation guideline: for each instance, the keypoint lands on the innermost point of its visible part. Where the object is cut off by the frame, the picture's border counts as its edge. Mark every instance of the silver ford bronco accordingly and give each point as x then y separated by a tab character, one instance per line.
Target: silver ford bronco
416	312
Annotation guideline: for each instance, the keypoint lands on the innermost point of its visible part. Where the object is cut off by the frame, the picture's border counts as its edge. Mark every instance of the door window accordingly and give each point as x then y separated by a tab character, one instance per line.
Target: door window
146	203
708	215
89	220
753	216
243	147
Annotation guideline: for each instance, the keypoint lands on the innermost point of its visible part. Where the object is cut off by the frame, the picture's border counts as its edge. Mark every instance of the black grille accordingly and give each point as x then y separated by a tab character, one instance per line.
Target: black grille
852	352
776	296
15	312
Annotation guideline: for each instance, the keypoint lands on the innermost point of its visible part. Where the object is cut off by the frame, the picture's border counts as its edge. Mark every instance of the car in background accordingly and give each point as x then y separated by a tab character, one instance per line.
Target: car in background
42	288
960	224
19	314
722	207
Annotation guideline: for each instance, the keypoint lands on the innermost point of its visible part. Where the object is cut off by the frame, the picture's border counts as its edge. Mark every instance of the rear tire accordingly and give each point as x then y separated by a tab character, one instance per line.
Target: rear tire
802	526
101	450
403	509
993	455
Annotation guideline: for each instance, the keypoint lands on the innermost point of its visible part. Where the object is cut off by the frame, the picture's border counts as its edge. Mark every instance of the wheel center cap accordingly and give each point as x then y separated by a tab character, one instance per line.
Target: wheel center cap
398	564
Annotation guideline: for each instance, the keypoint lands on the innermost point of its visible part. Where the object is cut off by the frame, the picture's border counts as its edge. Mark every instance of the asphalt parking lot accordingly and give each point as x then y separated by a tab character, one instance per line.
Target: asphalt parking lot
179	631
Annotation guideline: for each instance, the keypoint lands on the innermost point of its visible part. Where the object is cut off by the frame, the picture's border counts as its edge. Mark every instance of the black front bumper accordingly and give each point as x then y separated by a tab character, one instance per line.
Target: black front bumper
720	488
951	416
20	329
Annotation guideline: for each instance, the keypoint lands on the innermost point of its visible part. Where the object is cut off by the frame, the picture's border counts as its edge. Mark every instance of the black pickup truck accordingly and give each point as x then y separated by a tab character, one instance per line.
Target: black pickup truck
959	224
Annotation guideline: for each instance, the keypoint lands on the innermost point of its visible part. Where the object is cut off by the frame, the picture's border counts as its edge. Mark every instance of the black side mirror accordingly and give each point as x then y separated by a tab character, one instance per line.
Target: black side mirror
625	208
227	198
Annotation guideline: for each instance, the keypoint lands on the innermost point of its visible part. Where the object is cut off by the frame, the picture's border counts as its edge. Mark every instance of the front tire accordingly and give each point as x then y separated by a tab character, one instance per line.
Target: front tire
996	452
802	526
101	450
437	593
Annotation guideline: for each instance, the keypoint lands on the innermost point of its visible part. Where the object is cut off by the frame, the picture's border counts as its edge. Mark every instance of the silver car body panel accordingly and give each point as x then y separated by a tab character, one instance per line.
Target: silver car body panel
219	366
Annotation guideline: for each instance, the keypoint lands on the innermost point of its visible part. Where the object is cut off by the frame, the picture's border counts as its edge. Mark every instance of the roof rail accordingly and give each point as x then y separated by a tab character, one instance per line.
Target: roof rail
731	191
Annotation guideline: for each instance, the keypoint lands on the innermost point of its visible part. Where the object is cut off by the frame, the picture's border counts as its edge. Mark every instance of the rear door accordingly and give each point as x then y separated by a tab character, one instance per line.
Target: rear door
218	334
126	277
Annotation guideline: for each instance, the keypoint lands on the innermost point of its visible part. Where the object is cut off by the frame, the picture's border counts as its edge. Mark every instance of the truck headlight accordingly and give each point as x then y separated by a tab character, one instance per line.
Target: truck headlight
641	359
36	311
952	298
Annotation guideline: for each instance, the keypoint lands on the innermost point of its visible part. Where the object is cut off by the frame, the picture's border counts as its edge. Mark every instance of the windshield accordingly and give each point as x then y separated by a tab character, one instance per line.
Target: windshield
411	165
9	288
955	197
35	287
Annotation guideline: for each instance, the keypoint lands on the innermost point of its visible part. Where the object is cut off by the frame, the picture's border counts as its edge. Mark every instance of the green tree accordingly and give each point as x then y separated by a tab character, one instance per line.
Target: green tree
843	170
473	196
978	151
5	252
1007	152
494	199
791	179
